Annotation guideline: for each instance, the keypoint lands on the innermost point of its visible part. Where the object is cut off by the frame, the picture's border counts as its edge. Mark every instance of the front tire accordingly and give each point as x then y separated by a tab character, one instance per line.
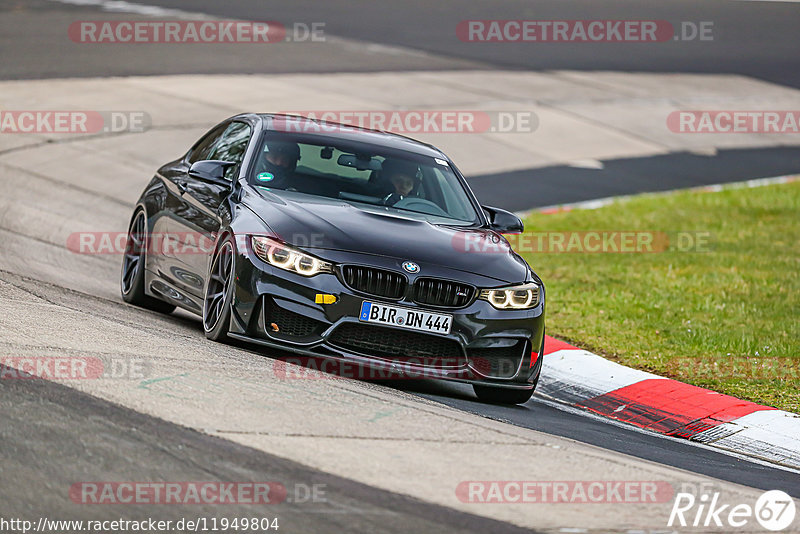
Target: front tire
496	395
134	262
219	292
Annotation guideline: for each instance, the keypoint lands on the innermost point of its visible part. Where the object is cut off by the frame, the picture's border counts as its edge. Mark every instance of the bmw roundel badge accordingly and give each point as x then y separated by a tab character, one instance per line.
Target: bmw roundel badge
411	267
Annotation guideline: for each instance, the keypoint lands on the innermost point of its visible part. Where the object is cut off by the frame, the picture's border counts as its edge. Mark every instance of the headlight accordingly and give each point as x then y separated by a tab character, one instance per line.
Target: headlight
285	257
512	298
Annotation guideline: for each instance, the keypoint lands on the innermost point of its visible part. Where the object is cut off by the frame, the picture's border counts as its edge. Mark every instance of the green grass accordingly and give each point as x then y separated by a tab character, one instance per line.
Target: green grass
727	319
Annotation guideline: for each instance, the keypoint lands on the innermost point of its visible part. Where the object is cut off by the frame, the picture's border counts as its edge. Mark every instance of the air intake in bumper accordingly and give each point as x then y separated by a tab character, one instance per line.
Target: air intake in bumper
391	344
499	362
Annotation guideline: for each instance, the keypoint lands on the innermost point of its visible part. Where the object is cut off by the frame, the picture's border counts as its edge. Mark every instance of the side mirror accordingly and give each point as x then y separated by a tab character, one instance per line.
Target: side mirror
503	221
212	171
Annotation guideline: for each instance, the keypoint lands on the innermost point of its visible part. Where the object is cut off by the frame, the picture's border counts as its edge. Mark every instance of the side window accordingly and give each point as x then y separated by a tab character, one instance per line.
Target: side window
203	148
454	203
232	146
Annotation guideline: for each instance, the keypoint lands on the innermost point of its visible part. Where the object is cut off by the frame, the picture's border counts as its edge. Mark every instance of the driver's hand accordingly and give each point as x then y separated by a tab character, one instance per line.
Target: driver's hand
391	199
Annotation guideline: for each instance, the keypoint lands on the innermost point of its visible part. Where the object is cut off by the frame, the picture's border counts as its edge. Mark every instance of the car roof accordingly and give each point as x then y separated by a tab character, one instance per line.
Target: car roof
317	128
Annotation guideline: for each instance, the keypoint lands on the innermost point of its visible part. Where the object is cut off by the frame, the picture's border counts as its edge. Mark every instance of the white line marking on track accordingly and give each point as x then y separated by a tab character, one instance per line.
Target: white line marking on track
120	6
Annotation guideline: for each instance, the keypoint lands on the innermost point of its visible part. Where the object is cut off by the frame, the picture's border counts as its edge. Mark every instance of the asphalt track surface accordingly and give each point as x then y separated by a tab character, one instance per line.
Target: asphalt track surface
46	417
546	416
565	184
39	417
753	38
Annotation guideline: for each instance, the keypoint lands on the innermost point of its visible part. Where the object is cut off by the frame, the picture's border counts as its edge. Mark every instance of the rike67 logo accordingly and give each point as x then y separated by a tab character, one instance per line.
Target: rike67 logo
774	511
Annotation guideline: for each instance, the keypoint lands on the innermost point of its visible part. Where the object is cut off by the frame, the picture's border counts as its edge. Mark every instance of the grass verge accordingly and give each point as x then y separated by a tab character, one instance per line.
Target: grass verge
718	307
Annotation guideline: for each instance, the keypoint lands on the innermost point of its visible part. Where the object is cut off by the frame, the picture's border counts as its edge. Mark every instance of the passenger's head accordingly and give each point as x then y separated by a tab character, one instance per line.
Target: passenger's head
401	174
283	155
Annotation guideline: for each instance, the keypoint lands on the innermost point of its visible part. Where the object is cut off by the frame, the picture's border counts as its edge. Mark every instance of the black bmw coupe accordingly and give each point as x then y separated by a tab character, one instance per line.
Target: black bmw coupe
340	243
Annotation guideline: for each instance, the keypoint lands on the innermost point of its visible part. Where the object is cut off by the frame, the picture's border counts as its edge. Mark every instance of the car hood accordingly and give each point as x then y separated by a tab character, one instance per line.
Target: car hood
326	226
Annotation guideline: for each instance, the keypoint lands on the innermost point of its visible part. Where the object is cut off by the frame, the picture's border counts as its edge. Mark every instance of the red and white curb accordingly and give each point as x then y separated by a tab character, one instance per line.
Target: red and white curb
584	380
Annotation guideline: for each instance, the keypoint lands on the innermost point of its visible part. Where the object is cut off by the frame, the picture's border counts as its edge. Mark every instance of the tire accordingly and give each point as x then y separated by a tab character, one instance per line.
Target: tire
496	395
219	292
131	283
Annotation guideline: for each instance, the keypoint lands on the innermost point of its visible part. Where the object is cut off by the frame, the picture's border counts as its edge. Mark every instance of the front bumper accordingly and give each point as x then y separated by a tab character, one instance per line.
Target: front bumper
279	309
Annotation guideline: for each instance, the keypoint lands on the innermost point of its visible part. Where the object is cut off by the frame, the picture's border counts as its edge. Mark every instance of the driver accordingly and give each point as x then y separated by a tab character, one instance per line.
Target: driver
278	164
403	177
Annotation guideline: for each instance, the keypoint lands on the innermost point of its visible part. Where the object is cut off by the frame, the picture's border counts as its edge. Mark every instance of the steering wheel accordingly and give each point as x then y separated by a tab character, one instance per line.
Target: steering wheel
421	205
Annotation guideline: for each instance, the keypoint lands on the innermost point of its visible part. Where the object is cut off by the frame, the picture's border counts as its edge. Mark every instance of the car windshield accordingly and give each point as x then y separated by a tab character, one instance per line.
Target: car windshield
363	174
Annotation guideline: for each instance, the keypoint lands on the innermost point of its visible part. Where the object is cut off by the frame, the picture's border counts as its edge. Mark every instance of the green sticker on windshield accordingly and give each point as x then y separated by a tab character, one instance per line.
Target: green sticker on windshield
265	177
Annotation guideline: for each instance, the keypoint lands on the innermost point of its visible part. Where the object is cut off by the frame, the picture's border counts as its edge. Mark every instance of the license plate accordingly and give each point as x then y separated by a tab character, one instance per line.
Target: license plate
409	319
